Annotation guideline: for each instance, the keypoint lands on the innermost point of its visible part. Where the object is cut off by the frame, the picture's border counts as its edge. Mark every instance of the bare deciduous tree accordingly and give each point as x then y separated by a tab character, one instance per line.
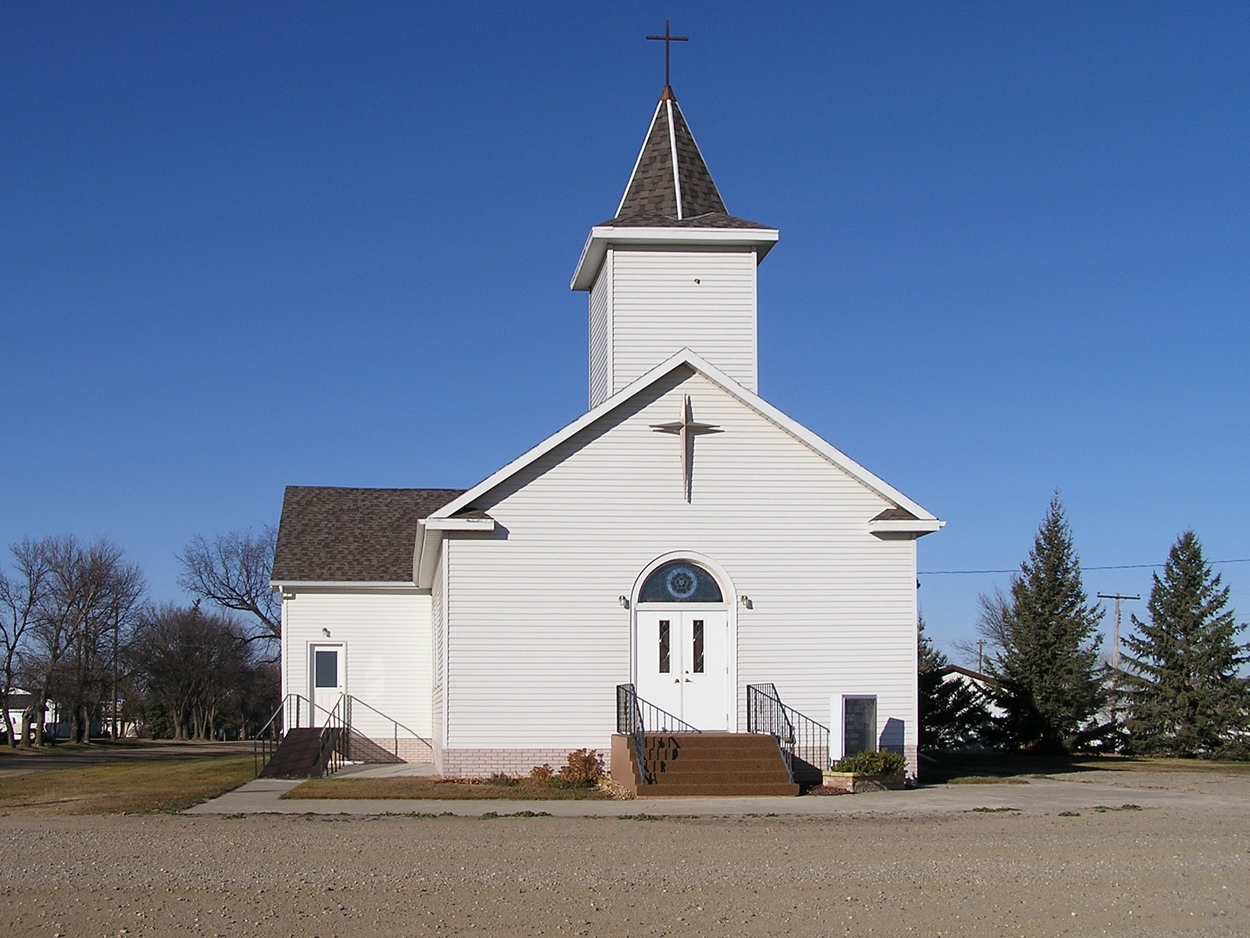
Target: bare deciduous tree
21	598
89	590
193	664
233	571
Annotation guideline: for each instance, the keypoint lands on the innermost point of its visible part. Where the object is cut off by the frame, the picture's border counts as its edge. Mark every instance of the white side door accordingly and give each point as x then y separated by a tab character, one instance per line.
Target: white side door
326	662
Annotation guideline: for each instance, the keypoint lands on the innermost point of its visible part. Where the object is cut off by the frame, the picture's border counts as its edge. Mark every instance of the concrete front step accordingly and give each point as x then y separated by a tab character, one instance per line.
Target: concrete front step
688	764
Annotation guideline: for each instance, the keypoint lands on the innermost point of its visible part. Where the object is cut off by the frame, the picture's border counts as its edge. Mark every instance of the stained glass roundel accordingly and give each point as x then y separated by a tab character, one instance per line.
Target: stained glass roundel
680	581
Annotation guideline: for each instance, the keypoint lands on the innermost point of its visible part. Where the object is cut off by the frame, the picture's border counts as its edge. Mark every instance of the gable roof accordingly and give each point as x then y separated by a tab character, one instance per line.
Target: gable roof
700	365
340	535
671	185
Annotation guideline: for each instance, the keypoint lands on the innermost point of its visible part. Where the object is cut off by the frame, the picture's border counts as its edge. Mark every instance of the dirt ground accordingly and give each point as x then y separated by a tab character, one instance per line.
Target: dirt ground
1162	871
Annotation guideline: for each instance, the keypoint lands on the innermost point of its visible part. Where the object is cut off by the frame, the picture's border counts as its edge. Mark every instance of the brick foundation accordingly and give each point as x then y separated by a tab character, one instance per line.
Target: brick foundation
482	763
377	749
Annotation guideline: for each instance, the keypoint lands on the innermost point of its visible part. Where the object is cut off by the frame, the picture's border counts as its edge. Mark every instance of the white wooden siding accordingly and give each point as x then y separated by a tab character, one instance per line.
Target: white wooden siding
601	335
657	309
438	620
387	642
540	638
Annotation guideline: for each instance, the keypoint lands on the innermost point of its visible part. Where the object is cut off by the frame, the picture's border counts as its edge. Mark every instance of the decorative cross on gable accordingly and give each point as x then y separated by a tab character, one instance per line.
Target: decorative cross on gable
686	429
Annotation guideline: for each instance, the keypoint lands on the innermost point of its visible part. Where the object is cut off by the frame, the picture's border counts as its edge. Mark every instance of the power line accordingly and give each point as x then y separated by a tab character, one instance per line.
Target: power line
1118	566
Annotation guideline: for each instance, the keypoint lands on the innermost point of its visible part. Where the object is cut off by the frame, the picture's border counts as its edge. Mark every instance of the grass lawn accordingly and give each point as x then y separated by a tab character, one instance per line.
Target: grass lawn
966	769
450	789
130	787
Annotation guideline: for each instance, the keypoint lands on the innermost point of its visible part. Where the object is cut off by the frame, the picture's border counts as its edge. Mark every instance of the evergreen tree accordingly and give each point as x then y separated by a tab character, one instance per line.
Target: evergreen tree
1184	694
1046	662
952	714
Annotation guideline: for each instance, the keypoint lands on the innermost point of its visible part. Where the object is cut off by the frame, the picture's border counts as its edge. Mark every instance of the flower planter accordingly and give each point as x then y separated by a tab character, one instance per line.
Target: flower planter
854	783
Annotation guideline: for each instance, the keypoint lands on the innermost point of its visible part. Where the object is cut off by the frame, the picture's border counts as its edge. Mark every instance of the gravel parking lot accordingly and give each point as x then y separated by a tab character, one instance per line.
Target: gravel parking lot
1178	869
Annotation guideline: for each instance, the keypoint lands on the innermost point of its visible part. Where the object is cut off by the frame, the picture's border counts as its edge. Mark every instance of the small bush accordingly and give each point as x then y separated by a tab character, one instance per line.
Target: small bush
882	762
614	789
584	767
542	773
502	778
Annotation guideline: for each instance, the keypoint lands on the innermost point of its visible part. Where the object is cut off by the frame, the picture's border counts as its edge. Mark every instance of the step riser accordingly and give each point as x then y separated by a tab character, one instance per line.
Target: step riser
720	764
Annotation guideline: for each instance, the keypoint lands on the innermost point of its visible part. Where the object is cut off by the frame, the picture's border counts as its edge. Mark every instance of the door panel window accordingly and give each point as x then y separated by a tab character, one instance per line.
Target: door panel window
326	669
666	637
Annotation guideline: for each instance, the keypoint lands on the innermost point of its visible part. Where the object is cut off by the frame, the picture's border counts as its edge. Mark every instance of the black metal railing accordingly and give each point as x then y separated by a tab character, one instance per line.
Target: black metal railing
803	742
636	718
289	715
395	733
340	740
335	738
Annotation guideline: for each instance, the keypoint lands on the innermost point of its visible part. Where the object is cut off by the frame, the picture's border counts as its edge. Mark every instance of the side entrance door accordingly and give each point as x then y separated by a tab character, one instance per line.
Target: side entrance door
682	664
328	680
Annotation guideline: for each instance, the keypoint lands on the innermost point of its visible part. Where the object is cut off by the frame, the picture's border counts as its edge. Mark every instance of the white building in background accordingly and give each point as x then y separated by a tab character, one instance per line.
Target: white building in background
683	535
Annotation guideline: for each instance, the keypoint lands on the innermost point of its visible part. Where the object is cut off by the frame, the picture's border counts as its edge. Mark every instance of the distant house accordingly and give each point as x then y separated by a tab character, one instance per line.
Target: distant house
19	702
981	684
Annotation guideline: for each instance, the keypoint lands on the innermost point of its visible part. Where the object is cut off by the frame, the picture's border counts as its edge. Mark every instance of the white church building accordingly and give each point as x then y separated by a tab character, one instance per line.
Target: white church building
682	536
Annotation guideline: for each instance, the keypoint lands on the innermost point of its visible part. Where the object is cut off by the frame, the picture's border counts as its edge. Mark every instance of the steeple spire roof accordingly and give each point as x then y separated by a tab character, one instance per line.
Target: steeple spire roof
670	185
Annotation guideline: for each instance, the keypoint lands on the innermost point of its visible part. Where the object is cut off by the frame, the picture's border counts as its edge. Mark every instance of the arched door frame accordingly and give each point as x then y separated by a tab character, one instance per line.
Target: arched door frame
730	605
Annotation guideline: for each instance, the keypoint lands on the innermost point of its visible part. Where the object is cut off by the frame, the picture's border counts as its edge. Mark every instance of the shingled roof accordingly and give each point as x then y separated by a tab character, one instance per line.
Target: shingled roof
671	185
351	535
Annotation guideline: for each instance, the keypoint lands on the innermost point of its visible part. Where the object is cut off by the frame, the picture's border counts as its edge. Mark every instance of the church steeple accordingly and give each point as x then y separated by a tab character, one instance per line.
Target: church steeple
672	269
671	184
670	178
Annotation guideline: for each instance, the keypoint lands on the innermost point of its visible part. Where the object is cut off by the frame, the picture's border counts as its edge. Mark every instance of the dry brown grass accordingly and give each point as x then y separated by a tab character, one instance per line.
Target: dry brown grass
129	787
437	788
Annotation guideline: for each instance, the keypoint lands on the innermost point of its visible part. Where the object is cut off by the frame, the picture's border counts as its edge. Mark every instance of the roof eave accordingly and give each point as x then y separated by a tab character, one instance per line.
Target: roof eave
603	236
919	527
293	586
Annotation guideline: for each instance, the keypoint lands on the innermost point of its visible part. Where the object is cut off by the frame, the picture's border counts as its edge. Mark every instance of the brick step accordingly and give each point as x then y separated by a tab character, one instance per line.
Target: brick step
694	764
715	767
753	789
774	769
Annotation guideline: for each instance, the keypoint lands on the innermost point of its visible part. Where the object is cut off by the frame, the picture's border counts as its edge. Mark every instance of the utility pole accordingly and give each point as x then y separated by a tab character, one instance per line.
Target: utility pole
1115	644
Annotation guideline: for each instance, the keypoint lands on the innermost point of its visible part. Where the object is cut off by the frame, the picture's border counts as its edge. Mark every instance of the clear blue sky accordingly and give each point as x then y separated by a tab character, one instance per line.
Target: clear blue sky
246	245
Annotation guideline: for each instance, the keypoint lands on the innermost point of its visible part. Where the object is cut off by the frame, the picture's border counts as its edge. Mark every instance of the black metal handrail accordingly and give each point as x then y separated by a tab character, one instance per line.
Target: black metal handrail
335	738
396	726
266	740
636	718
803	742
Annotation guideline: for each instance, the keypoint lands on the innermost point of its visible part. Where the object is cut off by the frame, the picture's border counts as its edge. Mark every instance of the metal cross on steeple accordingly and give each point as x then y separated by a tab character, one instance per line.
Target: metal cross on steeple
687	429
668	39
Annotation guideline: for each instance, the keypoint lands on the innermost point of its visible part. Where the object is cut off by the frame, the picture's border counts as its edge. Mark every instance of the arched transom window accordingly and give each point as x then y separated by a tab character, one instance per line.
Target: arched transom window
680	581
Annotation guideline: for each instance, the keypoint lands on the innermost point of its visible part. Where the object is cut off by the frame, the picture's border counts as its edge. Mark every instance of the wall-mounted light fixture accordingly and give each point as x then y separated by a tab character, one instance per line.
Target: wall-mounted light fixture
325	632
745	602
624	601
288	594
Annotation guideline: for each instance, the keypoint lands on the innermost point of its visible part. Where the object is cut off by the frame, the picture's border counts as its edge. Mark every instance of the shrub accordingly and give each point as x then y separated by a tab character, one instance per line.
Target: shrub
584	767
882	762
541	773
502	778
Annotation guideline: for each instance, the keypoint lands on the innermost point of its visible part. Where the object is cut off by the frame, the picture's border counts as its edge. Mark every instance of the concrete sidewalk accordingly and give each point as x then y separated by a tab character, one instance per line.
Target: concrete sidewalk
1034	796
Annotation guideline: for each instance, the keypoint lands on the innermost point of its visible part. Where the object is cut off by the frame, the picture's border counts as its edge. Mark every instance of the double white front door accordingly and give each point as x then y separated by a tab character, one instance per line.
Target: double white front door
681	658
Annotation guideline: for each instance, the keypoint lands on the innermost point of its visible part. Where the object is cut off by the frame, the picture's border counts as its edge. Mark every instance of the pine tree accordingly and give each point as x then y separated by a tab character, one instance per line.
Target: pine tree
1183	691
1046	665
952	714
